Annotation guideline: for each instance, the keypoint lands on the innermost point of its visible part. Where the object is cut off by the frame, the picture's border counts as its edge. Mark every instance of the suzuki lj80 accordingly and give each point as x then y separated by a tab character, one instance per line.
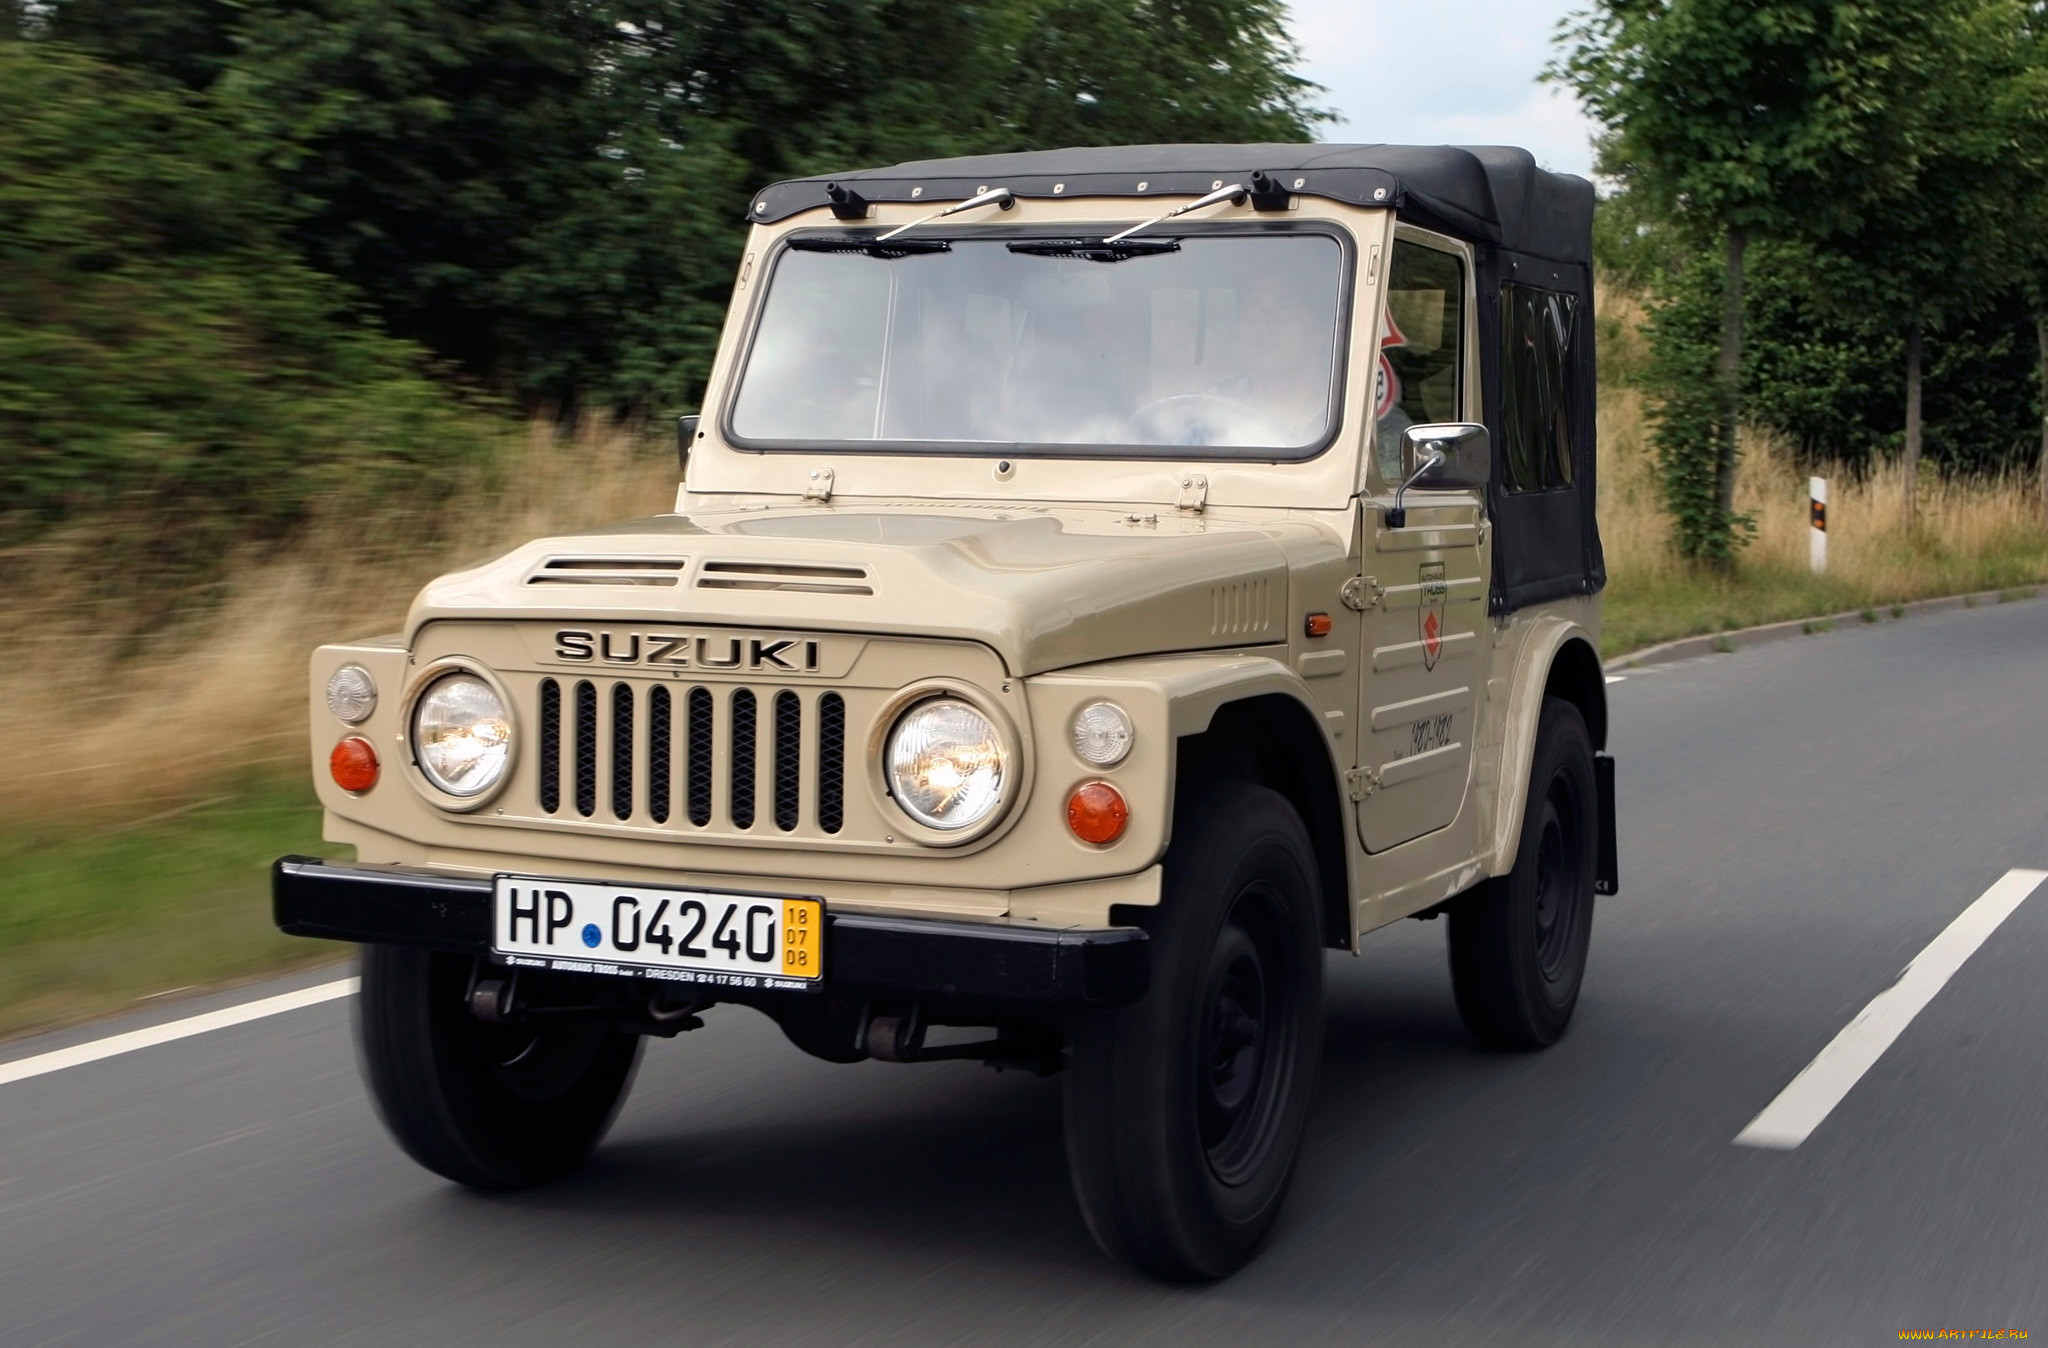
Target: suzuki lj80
1103	583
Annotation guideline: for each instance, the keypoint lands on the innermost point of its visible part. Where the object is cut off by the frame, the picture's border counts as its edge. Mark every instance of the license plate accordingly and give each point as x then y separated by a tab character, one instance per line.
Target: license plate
680	935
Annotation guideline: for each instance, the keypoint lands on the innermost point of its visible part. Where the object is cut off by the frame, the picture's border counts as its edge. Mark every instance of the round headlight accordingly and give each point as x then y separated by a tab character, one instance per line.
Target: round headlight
462	735
946	764
1102	734
351	694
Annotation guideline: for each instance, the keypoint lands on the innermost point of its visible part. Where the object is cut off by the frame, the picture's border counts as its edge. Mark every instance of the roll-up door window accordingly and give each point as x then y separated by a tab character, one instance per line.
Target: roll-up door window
1537	330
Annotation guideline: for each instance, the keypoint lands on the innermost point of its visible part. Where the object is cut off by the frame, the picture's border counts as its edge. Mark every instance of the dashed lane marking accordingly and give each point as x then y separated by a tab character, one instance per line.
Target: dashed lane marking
115	1045
1800	1108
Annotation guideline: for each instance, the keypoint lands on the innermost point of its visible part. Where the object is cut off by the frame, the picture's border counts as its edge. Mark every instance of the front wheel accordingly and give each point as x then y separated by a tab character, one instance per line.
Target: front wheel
1184	1112
493	1106
1518	943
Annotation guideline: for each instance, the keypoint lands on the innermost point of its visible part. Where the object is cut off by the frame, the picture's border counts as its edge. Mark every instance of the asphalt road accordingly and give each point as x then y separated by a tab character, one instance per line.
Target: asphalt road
1798	821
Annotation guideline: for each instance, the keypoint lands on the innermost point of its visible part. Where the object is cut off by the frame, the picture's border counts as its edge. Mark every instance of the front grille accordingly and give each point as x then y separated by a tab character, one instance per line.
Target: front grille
613	749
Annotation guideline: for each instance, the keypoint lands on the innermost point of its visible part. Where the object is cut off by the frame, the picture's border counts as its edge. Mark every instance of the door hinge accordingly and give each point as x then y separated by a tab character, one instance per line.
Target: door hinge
1361	593
1361	782
1194	492
819	487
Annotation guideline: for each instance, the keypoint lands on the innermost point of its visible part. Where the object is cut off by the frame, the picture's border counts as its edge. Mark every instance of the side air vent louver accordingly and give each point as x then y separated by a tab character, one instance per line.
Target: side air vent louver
1240	609
803	578
666	571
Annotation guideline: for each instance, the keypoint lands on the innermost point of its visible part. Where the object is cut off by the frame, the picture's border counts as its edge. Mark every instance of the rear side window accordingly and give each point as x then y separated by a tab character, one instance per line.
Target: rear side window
1537	332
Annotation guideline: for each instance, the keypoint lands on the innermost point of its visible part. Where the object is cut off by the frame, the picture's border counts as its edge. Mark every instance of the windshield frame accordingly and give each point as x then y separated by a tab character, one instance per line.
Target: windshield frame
1340	357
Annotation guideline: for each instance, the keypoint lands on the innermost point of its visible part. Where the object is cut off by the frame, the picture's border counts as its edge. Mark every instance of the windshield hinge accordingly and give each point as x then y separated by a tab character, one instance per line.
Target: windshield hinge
1194	492
819	488
1361	593
1361	782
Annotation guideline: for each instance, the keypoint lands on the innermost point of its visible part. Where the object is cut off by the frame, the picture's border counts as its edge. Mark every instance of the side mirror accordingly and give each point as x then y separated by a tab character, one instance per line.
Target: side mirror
686	431
1452	454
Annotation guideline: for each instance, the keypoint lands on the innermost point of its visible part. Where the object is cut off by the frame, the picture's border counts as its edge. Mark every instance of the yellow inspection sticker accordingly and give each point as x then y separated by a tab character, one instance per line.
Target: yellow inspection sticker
803	938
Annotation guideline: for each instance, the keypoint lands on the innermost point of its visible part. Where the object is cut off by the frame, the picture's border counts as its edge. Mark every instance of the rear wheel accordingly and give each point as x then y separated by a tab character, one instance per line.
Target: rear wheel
1184	1112
1518	943
494	1106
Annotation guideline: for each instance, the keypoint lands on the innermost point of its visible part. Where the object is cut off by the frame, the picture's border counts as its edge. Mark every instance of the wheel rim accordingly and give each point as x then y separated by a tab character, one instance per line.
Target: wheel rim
1244	1049
1560	876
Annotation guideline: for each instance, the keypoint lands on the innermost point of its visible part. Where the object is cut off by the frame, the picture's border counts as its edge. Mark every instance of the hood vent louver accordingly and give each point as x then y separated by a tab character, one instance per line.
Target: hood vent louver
802	578
661	571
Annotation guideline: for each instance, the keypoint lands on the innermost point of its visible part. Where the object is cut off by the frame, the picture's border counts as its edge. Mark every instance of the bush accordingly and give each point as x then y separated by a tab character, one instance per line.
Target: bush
162	350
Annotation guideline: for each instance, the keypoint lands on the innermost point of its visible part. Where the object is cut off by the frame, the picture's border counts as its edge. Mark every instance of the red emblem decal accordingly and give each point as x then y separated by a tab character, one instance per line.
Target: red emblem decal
1432	635
1389	391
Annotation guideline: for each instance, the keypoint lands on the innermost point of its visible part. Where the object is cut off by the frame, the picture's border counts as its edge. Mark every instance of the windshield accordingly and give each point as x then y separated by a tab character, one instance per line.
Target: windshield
1227	343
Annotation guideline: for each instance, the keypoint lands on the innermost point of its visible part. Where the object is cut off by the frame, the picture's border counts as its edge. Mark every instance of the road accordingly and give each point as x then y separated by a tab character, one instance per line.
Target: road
1798	822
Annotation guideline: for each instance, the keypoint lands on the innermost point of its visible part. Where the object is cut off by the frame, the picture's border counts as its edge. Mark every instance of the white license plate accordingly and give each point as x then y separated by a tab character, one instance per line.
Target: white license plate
681	935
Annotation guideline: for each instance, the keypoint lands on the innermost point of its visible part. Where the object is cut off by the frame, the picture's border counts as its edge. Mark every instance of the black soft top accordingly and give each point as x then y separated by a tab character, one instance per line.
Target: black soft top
1487	193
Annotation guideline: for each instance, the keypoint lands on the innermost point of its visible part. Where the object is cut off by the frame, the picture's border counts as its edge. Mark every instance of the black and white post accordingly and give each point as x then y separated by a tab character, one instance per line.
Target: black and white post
1817	516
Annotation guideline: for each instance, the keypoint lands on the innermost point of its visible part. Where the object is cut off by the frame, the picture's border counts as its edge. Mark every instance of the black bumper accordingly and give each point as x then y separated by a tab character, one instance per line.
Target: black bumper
900	956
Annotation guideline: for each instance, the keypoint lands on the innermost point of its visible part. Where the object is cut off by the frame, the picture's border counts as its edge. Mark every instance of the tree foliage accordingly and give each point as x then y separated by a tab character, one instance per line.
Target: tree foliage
1846	127
158	337
233	234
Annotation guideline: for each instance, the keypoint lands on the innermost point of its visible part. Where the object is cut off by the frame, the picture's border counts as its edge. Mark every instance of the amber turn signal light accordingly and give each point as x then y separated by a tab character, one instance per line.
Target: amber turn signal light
353	764
1317	625
1096	812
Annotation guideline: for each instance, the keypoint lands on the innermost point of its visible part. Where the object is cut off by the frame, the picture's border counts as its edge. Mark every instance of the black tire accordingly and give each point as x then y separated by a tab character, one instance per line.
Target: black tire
490	1106
1184	1112
1518	943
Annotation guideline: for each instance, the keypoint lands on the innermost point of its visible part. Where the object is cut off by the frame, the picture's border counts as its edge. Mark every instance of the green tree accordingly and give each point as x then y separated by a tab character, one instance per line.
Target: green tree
2026	113
160	344
550	193
188	41
1746	118
421	143
1942	246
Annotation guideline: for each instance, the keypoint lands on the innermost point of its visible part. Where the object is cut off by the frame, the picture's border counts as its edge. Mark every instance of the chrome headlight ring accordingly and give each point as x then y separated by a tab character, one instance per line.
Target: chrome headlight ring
992	772
462	759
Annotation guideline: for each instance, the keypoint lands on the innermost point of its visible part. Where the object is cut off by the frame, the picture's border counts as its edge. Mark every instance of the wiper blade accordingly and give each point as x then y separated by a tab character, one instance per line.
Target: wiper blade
1096	250
873	247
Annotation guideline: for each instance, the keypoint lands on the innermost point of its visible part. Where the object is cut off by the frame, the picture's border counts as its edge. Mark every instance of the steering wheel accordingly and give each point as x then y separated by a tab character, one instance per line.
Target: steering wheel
1203	419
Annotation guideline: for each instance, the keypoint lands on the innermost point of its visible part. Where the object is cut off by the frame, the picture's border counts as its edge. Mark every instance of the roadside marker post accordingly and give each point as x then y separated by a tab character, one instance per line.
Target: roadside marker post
1817	516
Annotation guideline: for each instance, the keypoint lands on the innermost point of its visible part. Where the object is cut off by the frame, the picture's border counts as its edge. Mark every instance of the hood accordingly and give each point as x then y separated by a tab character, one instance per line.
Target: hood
1046	587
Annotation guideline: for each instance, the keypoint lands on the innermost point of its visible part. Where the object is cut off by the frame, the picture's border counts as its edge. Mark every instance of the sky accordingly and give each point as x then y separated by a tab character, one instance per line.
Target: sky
1437	72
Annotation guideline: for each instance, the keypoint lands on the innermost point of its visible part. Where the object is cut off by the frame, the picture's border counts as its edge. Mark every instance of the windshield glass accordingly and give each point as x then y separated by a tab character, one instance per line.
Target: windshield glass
1228	343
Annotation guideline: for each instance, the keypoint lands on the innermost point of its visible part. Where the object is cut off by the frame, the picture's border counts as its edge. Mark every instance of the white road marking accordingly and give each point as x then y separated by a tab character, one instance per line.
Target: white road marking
114	1045
1617	678
1800	1107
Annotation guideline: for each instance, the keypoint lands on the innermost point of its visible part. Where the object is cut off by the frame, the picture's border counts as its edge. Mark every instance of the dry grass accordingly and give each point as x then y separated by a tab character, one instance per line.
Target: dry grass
1971	534
113	711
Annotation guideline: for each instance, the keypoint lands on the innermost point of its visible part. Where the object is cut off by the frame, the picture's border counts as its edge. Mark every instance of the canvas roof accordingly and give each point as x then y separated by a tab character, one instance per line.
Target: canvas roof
1490	194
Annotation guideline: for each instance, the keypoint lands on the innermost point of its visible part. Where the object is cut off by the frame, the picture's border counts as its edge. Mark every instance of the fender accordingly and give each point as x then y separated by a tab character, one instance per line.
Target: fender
1549	634
1187	692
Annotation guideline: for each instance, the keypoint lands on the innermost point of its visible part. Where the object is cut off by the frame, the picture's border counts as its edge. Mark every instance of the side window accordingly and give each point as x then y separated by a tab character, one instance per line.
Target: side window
1537	329
1422	364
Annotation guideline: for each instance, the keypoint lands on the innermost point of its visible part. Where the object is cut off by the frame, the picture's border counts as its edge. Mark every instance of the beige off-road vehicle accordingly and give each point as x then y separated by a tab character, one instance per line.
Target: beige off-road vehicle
1103	582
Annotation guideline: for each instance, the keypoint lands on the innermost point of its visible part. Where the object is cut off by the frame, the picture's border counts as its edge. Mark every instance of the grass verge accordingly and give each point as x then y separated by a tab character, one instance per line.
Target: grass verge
1971	535
94	919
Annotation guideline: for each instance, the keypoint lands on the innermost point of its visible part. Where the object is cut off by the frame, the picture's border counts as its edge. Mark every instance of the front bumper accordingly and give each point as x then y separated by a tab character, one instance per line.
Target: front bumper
1022	967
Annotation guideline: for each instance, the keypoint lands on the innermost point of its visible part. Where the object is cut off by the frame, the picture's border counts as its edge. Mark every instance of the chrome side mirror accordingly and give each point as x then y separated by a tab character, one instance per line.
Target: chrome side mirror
1454	453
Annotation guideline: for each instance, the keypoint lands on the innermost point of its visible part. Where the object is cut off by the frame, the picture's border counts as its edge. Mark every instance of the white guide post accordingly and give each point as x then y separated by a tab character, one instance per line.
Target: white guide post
1817	516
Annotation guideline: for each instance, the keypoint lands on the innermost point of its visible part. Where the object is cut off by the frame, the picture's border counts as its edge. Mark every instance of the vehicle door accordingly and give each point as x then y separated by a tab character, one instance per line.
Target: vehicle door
1425	584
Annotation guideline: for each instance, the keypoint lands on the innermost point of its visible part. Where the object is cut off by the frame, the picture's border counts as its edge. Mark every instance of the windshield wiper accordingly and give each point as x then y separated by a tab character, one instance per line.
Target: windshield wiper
1095	250
1234	194
867	243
